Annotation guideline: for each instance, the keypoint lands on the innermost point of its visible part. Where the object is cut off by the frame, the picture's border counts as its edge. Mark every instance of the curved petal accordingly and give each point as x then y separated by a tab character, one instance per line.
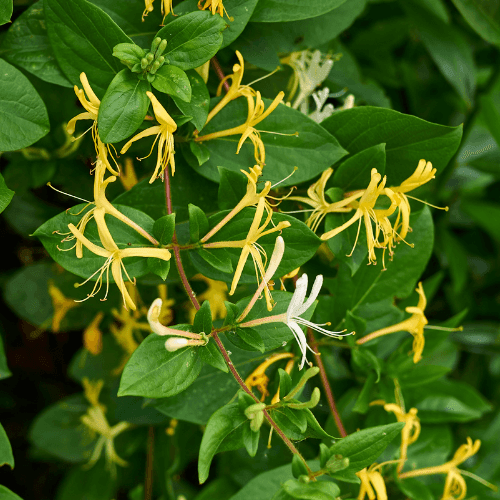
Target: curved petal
318	283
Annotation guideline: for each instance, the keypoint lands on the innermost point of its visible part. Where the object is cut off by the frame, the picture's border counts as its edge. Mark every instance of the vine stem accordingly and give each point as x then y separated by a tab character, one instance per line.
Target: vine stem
148	479
220	74
273	424
326	384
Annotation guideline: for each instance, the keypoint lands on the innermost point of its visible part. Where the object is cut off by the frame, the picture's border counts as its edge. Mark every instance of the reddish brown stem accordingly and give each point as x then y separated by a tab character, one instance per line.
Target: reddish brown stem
220	73
148	480
326	385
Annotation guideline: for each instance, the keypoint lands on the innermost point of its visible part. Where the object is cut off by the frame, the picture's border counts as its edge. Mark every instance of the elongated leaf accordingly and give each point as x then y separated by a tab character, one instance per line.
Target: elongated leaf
7	494
312	151
26	44
483	16
83	37
6	8
273	11
6	194
123	107
192	39
23	116
6	456
198	106
172	80
408	138
154	372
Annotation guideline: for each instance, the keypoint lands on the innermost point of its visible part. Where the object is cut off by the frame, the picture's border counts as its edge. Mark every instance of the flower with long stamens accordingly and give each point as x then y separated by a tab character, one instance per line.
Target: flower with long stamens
166	8
372	483
250	246
414	325
215	6
164	135
298	306
95	420
256	113
364	203
455	487
409	433
114	258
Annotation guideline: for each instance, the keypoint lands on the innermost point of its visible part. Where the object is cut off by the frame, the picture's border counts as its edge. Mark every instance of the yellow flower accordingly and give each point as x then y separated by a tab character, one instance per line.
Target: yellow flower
256	113
114	257
250	246
372	483
95	420
61	305
164	135
129	177
414	325
216	294
409	433
166	8
455	487
235	90
214	6
364	211
92	335
258	377
91	106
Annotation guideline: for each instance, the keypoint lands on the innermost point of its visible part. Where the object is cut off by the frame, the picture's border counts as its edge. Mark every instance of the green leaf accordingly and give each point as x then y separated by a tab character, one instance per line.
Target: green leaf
6	8
220	425
83	37
312	151
408	139
203	319
123	107
483	17
421	374
298	467
415	489
216	259
273	11
153	372
123	235
211	355
311	491
247	339
95	483
172	80
250	440
198	223
27	45
232	188
129	54
285	384
6	194
364	447
6	494
198	106
164	228
192	39
4	369
23	116
6	456
485	214
200	151
355	172
159	267
366	395
449	49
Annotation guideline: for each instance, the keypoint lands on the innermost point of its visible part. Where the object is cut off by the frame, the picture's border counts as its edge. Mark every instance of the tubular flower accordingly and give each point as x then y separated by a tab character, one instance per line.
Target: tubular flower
166	8
114	258
92	335
255	115
91	103
61	305
214	6
409	433
364	211
372	484
298	306
250	246
414	325
258	377
95	420
164	132
129	177
455	487
236	89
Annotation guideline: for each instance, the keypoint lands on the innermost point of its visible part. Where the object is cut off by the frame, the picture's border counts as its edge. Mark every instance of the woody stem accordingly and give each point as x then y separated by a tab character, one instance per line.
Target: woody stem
326	385
220	74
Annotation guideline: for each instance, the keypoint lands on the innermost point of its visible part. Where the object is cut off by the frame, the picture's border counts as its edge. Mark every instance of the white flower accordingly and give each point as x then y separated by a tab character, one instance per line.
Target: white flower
297	307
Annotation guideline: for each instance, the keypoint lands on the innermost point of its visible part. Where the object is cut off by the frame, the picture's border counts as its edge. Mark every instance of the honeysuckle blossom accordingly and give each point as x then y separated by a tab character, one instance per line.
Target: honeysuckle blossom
256	113
250	246
298	306
61	305
323	110
92	335
164	135
166	8
455	487
114	258
414	325
215	6
372	483
95	420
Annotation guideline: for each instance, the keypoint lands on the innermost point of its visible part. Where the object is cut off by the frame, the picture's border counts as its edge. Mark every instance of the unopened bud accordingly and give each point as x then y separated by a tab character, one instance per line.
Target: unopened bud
257	421
144	63
155	67
175	343
150	58
161	60
337	463
161	48
252	410
155	44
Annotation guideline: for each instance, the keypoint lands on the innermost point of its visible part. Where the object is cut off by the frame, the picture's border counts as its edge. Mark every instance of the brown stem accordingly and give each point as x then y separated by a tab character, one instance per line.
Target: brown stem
220	74
148	479
326	385
242	384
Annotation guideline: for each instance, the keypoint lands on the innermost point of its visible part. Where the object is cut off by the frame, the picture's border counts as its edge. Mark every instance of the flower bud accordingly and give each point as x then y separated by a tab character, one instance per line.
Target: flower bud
257	421
155	44
144	63
252	410
175	343
161	48
150	58
154	68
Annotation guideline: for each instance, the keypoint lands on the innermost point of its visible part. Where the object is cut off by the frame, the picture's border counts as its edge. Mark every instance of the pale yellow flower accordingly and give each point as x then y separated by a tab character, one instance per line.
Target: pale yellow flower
92	335
61	305
372	483
215	6
216	294
164	135
166	8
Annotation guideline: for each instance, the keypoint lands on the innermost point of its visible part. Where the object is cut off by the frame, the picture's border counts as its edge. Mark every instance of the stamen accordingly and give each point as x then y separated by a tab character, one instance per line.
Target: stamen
287	177
67	194
427	203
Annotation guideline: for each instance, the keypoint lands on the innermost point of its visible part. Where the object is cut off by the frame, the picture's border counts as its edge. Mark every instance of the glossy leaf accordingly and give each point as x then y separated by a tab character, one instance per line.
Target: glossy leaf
172	80
6	456
6	194
281	10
